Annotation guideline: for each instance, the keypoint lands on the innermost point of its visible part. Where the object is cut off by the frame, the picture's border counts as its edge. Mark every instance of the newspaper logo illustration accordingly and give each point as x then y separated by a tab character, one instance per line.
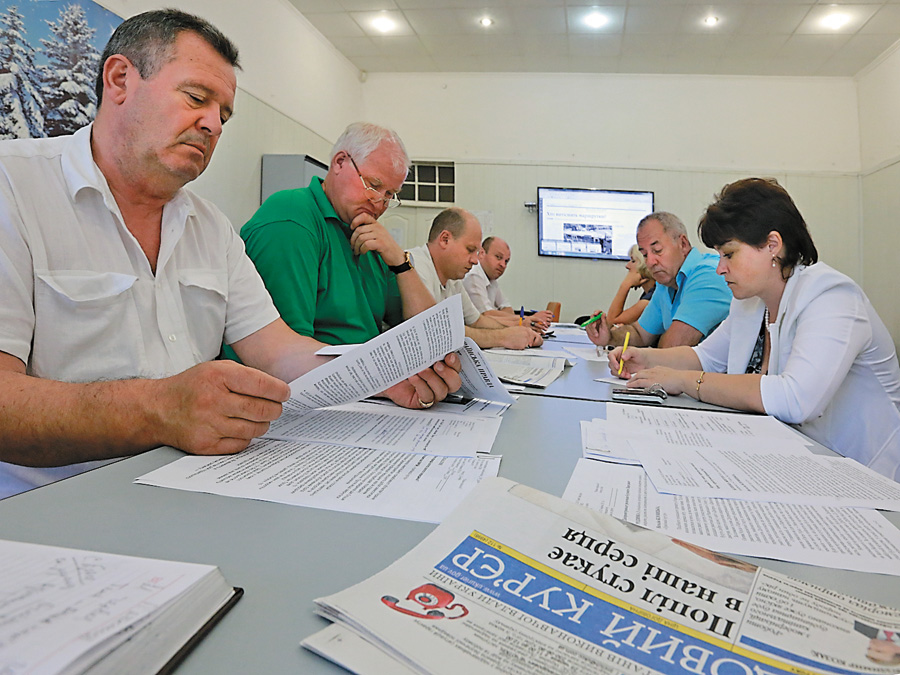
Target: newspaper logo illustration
428	602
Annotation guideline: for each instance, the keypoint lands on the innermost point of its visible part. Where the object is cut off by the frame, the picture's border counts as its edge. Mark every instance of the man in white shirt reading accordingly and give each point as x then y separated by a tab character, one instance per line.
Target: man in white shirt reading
118	286
482	283
451	251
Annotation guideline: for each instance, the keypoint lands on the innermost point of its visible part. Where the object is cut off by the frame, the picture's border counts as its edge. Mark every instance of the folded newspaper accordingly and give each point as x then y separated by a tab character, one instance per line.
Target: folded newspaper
518	581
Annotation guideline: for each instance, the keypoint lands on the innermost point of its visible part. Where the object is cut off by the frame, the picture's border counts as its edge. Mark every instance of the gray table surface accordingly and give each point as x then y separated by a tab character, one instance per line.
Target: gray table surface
285	556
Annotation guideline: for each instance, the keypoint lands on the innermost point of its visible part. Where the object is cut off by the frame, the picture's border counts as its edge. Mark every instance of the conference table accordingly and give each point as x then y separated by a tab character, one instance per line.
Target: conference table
286	556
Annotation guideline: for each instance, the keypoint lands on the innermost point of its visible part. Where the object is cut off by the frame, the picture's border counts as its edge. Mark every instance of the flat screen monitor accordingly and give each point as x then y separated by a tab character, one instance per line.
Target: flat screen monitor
589	223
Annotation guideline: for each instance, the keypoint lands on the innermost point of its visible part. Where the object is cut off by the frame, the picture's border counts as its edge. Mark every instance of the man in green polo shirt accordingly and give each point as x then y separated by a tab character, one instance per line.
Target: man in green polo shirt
333	270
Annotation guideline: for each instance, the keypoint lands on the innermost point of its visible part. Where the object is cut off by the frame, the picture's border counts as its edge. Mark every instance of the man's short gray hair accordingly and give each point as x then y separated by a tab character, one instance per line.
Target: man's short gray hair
671	224
360	139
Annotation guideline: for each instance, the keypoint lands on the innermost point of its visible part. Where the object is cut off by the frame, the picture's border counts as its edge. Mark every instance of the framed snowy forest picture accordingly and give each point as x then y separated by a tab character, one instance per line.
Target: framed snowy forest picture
49	55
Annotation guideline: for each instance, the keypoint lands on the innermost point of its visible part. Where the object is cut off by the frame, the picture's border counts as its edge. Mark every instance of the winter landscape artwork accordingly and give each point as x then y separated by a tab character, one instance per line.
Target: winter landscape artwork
49	54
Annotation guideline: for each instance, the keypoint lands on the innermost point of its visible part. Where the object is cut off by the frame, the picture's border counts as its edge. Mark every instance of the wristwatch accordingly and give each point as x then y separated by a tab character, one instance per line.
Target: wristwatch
405	265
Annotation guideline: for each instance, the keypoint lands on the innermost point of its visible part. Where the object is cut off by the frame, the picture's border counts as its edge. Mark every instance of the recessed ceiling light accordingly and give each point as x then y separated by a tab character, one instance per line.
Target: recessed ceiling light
595	20
836	20
384	24
486	21
711	20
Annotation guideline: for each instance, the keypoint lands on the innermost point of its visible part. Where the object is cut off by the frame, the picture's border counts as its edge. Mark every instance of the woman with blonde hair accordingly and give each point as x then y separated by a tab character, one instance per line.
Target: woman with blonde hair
637	277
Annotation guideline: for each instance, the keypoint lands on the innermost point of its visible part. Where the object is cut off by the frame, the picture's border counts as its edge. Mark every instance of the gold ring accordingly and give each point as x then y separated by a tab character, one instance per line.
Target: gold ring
426	405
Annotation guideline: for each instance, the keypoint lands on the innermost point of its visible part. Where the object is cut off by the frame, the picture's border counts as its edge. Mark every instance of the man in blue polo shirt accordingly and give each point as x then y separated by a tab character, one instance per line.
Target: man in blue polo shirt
691	299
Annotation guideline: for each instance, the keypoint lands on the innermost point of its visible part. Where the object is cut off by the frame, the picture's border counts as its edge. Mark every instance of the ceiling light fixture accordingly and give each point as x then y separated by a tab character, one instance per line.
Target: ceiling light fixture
836	21
595	20
711	20
486	21
384	24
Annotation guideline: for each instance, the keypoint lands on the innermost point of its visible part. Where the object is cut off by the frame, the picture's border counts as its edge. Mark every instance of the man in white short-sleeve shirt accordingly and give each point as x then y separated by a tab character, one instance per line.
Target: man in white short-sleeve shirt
118	286
452	249
482	283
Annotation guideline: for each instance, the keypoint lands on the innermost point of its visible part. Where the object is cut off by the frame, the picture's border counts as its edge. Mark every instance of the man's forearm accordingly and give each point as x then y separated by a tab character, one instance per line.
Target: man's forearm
637	339
48	423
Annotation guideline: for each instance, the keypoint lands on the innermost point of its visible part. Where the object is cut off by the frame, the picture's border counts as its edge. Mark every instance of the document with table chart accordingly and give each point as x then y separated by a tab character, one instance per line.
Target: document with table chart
826	535
383	361
525	370
355	480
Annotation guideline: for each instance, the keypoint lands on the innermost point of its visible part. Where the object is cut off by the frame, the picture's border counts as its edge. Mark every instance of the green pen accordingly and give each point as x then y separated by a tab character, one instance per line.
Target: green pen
592	320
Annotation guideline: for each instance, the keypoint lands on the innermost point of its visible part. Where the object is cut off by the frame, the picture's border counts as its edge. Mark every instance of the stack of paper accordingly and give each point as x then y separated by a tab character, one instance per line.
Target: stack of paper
743	484
525	370
574	591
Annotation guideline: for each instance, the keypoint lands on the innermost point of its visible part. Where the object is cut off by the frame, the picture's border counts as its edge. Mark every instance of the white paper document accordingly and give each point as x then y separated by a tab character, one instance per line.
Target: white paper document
381	427
628	428
525	370
827	536
598	441
535	352
698	428
588	353
383	361
772	473
355	480
478	378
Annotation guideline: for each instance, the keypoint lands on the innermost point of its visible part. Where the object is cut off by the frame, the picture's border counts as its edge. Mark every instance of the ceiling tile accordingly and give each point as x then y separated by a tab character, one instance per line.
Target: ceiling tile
539	20
368	5
858	15
729	16
778	19
433	21
335	25
355	46
652	18
761	37
886	21
575	19
365	21
595	45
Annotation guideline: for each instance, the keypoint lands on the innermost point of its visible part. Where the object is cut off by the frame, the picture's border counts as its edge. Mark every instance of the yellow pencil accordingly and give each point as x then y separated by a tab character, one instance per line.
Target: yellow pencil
624	347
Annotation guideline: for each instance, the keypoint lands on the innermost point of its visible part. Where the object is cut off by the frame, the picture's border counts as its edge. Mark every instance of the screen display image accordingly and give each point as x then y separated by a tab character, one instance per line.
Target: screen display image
589	223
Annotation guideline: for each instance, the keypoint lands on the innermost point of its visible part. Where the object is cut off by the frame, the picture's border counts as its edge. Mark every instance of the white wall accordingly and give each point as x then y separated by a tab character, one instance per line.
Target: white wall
649	121
879	113
682	137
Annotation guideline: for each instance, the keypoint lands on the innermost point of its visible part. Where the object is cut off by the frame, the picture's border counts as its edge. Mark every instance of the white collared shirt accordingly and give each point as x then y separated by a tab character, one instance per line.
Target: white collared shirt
484	293
425	267
79	301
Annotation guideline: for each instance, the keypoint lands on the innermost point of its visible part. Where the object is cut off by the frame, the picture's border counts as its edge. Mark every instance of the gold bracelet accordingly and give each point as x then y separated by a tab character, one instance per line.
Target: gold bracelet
699	382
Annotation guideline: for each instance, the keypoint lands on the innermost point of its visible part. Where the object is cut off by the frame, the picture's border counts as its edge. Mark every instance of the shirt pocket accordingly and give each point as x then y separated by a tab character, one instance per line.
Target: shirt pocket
204	294
86	326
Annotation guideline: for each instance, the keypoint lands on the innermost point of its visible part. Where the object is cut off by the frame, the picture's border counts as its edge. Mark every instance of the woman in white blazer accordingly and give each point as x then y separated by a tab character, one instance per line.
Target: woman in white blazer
801	342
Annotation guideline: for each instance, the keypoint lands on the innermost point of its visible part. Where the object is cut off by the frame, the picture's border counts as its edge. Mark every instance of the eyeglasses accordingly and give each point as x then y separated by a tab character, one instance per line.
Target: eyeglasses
374	195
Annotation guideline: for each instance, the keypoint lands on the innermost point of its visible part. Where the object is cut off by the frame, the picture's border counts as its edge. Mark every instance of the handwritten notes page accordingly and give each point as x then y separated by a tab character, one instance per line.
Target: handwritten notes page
65	610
